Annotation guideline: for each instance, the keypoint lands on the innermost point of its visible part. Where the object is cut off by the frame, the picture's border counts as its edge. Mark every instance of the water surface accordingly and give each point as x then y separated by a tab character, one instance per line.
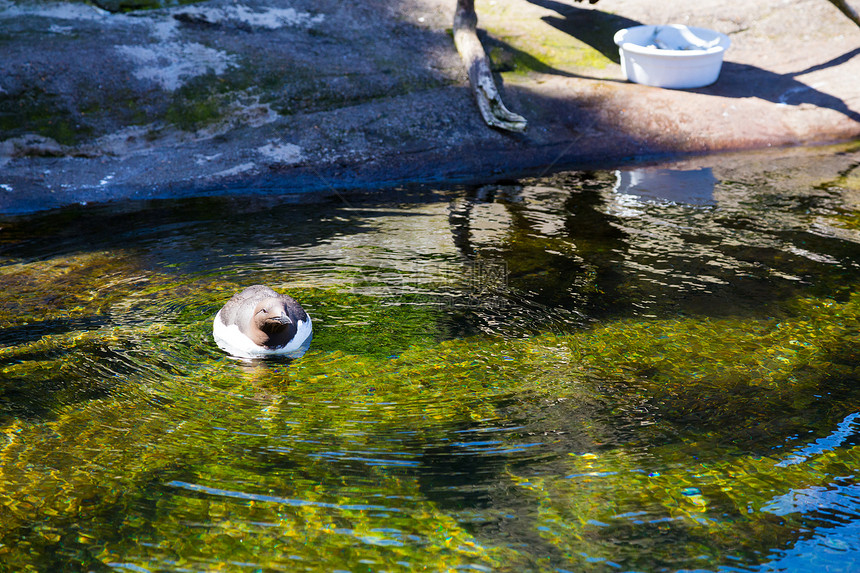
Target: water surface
648	369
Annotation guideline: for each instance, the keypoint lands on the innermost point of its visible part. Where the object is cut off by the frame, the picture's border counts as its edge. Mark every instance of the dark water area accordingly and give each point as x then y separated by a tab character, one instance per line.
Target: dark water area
648	369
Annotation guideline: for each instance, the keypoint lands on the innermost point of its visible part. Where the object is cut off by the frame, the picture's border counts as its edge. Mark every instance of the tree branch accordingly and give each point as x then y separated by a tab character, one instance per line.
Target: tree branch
489	101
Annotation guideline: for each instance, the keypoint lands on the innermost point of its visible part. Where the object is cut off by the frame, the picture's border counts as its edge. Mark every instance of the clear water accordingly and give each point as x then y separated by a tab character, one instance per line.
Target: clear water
650	369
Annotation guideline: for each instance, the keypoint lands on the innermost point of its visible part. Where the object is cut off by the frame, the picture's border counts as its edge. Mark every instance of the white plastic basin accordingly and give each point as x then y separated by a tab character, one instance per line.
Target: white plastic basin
672	56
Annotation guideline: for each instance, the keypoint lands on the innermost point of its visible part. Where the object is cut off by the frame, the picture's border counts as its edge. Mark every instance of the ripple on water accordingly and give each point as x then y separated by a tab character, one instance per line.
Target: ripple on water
549	374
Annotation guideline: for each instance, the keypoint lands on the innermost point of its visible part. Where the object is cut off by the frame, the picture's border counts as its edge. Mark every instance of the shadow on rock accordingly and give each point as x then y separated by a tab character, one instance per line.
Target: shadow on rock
592	27
742	81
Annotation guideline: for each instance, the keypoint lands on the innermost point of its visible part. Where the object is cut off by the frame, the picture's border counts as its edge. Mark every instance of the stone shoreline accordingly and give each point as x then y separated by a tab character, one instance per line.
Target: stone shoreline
316	96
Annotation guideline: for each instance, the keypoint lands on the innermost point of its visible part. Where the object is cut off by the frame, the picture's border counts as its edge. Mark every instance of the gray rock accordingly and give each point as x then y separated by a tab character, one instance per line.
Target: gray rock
323	95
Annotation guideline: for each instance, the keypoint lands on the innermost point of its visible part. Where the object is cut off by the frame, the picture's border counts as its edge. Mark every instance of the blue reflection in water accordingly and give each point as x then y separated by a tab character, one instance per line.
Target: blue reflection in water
832	549
695	186
243	495
835	550
847	428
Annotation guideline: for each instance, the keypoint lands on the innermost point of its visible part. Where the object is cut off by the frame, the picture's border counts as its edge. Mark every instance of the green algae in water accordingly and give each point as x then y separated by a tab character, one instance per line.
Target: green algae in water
432	425
305	462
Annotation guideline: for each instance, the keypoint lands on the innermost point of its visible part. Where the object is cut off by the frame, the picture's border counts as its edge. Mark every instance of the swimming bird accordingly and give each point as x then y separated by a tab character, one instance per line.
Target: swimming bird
260	322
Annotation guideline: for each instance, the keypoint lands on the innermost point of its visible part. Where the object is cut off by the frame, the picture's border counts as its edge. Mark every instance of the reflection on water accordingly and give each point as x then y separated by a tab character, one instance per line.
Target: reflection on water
644	370
694	186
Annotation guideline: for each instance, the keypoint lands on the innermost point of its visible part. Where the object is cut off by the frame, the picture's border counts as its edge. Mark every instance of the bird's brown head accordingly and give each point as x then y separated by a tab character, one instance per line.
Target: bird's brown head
271	316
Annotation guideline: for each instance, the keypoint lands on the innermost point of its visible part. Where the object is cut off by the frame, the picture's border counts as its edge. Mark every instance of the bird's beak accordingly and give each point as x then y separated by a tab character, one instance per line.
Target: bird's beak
284	319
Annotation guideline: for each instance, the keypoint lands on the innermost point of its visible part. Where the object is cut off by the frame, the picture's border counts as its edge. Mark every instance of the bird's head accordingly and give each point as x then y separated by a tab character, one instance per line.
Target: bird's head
271	316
